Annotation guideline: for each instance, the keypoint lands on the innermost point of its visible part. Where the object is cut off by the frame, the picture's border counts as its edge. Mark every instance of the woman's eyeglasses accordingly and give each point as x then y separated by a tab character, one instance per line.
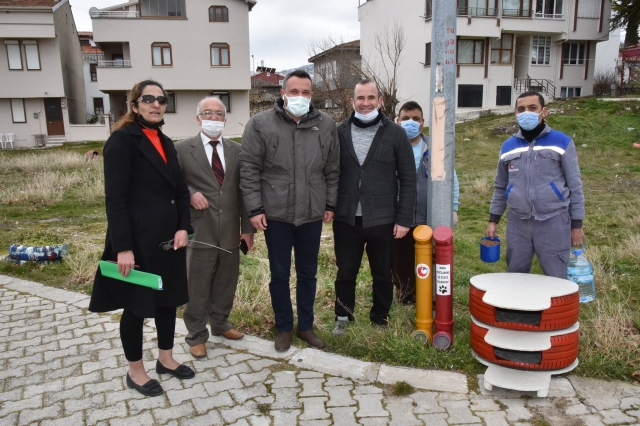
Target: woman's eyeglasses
149	99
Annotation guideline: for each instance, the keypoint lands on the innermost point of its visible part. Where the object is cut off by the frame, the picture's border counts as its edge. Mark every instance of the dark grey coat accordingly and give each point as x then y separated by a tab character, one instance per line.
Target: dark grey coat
385	184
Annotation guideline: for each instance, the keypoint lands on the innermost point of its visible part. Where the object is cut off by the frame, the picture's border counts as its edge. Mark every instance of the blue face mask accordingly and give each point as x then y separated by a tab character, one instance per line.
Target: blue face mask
411	127
528	120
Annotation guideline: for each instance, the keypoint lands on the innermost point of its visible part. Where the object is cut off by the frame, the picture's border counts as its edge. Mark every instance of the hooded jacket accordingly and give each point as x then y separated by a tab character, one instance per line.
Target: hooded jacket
289	171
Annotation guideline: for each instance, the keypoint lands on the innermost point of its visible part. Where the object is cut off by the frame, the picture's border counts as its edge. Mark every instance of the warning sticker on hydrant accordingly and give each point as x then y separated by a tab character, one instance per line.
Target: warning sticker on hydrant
443	280
422	271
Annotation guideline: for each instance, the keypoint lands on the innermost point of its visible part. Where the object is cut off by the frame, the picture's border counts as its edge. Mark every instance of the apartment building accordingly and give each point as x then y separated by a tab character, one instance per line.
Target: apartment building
194	49
503	47
97	102
41	71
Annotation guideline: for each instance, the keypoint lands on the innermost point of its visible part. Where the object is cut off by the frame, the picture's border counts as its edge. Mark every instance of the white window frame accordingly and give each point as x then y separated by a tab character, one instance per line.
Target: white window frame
13	49
544	43
554	15
18	112
570	92
580	50
31	55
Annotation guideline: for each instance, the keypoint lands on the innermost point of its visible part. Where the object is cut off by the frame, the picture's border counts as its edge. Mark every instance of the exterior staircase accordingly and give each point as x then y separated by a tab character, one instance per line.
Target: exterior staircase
55	140
540	85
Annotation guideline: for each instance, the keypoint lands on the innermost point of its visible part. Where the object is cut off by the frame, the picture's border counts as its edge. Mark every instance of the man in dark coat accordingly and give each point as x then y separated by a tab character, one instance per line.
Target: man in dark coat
376	196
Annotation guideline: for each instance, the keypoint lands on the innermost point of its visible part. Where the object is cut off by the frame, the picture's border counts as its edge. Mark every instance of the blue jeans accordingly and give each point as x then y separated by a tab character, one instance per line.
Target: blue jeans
281	237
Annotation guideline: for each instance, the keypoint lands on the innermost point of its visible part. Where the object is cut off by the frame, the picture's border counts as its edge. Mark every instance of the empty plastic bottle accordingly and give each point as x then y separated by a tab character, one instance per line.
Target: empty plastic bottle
580	272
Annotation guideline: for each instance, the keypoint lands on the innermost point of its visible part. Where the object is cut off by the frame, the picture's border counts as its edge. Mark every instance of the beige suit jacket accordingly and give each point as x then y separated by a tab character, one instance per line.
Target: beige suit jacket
226	217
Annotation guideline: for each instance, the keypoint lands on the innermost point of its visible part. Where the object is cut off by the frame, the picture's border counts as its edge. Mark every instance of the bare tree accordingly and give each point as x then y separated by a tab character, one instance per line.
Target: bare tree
336	71
382	65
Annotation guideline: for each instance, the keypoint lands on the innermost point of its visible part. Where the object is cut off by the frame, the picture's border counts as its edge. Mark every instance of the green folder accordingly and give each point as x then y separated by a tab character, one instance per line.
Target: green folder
145	279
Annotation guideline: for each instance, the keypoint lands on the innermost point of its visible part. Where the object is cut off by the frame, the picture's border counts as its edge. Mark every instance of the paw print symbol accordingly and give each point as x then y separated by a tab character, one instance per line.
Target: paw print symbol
442	289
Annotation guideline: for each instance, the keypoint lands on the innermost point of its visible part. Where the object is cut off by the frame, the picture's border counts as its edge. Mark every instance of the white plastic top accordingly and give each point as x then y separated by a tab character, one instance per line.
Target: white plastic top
523	292
528	341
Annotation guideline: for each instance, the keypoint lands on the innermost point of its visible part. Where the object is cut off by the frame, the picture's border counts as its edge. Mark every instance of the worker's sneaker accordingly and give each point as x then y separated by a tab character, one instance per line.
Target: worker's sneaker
341	323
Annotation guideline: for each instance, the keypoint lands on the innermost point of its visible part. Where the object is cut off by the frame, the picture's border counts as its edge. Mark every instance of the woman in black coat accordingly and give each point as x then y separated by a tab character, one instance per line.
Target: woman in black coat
147	203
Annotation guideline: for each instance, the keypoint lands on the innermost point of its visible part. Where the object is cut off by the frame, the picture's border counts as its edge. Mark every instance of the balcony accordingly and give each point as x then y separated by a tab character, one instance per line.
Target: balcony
98	14
516	13
117	63
477	11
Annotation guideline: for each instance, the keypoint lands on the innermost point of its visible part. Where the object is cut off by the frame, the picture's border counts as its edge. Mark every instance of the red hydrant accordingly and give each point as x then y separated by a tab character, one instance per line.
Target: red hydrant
443	238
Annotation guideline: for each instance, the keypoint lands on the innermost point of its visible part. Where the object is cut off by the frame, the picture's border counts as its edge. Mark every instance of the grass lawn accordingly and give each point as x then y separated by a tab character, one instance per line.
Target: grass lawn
54	194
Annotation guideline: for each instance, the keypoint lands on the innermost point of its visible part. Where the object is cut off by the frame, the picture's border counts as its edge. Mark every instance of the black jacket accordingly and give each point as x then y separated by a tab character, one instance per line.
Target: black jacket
389	167
147	201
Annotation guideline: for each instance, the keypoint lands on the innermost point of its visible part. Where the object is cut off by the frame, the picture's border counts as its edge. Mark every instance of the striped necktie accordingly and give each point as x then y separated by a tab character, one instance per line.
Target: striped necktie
216	164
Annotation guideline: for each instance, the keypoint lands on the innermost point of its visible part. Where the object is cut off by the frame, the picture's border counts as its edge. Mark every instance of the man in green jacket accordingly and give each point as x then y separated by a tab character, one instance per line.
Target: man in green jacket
289	170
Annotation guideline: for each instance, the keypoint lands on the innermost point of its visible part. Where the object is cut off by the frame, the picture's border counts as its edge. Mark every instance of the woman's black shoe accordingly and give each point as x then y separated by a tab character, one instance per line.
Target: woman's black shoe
182	372
151	388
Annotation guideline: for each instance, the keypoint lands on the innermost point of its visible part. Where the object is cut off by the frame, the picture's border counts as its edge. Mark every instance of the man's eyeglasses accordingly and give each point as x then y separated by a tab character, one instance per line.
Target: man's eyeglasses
149	99
208	114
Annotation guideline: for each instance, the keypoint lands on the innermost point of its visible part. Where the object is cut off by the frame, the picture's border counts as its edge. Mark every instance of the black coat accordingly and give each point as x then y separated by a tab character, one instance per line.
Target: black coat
385	184
147	201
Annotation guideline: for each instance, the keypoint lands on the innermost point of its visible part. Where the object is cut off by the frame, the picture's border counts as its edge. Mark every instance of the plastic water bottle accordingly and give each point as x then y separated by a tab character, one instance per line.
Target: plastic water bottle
580	272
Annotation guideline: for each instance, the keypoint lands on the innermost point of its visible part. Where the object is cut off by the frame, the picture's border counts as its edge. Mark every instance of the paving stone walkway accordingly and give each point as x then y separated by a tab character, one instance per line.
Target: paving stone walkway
62	365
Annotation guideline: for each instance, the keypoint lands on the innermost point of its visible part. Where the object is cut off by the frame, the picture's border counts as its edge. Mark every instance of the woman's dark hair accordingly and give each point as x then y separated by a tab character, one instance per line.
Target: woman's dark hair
134	94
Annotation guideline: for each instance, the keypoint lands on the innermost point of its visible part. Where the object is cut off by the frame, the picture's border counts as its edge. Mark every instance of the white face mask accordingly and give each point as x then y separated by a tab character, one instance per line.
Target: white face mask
212	128
366	118
297	105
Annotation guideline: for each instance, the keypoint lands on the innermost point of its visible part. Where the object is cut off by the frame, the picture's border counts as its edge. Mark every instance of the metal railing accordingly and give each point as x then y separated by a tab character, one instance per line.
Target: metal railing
516	13
539	85
625	91
477	11
114	14
118	63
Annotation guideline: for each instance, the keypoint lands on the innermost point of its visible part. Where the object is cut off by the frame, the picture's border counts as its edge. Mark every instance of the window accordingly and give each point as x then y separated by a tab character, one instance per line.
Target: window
161	54
573	53
503	95
14	54
162	8
470	95
427	55
220	55
428	10
470	51
549	9
224	97
218	14
98	106
501	49
570	92
281	82
171	104
93	72
541	50
589	9
477	7
31	54
17	111
328	103
520	8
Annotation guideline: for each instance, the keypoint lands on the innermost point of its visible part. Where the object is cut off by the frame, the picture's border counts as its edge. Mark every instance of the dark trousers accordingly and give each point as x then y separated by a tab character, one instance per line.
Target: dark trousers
403	271
131	332
281	237
350	242
549	239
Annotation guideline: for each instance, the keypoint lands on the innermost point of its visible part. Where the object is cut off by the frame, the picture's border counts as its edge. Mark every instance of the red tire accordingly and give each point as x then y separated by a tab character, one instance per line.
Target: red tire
563	313
563	351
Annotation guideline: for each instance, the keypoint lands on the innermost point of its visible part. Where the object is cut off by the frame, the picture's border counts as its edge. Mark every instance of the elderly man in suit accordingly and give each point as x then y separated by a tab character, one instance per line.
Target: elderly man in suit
212	171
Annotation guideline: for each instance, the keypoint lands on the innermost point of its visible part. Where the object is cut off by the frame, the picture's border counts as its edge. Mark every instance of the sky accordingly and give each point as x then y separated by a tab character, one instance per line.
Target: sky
280	30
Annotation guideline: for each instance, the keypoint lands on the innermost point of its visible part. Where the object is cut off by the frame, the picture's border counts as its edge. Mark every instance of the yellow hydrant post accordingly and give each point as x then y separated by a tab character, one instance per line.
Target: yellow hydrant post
424	297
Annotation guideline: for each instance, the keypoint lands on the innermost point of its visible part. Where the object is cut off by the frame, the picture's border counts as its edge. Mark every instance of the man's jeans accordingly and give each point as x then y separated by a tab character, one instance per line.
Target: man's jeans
350	244
281	237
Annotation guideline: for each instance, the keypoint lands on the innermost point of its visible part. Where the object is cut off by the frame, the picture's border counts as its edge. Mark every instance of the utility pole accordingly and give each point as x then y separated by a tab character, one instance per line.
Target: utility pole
442	121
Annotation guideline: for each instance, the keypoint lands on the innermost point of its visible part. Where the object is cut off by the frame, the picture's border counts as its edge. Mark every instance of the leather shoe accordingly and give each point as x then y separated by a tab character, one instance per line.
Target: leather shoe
283	341
151	388
182	372
199	350
310	337
232	334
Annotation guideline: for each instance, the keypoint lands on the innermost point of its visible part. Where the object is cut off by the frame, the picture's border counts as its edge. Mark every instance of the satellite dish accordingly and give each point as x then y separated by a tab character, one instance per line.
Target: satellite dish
93	11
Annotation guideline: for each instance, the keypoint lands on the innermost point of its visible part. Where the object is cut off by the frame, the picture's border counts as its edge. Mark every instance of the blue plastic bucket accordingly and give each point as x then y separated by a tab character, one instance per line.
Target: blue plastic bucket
490	254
